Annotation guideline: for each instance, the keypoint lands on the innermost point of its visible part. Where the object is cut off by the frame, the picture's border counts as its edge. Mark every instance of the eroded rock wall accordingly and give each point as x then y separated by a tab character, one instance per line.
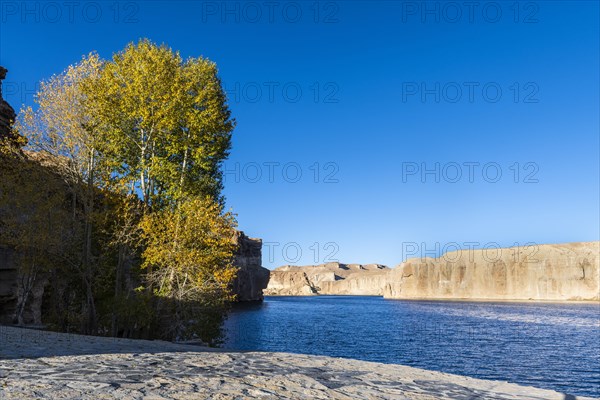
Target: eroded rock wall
7	113
557	272
252	278
328	279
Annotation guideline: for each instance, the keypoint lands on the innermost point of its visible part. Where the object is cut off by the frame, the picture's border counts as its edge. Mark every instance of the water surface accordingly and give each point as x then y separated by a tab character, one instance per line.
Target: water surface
553	346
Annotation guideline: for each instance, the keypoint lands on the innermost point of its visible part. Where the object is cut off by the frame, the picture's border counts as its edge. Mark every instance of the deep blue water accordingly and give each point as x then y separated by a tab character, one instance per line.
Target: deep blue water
553	346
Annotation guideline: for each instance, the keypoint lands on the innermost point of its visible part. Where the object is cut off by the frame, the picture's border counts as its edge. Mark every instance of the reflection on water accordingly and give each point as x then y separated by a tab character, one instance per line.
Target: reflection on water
554	346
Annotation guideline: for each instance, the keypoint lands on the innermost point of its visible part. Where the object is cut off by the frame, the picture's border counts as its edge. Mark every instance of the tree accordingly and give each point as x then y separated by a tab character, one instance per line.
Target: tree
138	142
167	130
167	125
63	128
189	252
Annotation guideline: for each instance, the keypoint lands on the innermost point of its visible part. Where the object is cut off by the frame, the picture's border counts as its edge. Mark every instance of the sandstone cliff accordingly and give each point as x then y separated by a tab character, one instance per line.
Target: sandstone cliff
331	279
556	272
252	278
543	272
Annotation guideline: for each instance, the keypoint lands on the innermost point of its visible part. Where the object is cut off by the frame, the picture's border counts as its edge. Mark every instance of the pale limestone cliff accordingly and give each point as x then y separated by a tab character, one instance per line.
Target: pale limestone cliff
329	279
557	272
542	272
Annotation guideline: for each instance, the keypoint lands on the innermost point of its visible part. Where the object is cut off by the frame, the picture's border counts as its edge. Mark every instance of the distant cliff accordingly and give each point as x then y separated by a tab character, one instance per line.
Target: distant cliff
558	272
331	278
554	272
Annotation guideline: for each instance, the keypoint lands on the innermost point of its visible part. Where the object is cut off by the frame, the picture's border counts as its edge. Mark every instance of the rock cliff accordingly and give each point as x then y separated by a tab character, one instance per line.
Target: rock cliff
7	113
331	278
555	272
252	278
8	271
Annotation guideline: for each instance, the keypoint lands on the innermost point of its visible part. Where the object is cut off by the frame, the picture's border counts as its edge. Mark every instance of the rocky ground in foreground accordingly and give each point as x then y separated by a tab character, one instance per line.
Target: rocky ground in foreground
37	364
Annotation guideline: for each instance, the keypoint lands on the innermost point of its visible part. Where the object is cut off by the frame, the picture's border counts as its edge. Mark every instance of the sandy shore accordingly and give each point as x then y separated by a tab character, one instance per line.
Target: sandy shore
37	364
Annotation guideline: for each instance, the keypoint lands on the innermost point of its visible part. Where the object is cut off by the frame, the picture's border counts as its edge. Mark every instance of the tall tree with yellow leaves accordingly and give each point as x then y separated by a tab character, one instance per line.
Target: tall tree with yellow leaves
167	130
142	136
189	254
64	129
167	124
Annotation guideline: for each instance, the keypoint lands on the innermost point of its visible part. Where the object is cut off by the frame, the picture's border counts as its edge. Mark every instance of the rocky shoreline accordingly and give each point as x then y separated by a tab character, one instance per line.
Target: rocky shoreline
48	365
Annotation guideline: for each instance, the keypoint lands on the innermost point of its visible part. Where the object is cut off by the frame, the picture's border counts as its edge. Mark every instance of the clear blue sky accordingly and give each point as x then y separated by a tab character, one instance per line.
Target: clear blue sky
388	89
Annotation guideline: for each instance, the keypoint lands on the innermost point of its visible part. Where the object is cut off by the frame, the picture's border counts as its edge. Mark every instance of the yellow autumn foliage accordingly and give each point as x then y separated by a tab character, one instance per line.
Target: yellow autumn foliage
189	251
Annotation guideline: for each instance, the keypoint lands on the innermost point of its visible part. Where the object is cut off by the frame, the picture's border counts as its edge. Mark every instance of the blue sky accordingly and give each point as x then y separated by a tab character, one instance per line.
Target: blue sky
341	107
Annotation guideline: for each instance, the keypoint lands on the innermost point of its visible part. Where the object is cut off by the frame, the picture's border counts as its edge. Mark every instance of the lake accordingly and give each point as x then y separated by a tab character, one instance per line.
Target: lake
547	345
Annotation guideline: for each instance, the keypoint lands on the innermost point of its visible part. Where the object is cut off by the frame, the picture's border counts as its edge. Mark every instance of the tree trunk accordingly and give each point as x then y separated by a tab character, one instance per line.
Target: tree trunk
27	282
